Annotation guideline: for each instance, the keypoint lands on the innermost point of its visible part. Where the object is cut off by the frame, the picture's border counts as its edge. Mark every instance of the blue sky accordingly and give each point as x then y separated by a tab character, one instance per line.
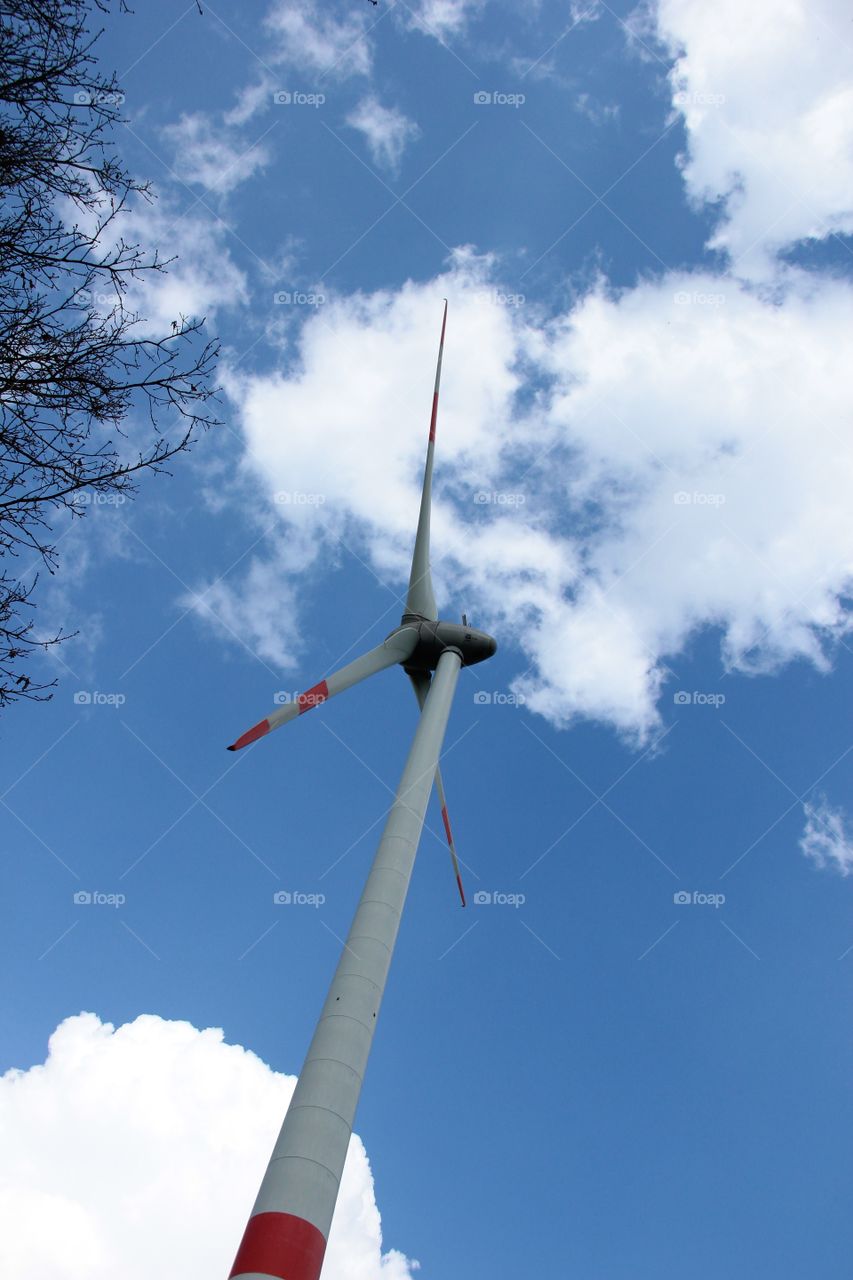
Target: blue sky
642	489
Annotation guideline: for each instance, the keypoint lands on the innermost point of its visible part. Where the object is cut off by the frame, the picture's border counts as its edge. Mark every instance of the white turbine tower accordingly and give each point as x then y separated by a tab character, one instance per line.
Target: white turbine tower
286	1235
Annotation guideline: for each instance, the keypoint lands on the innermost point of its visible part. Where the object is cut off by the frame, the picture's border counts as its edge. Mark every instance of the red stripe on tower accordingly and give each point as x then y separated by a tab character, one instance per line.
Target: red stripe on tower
313	697
251	735
279	1244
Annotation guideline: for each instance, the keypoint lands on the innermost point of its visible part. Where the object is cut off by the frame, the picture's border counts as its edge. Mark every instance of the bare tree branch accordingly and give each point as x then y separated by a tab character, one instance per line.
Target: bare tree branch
76	363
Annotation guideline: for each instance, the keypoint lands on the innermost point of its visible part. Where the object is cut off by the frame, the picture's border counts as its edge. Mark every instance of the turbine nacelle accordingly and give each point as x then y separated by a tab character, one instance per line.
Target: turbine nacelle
434	638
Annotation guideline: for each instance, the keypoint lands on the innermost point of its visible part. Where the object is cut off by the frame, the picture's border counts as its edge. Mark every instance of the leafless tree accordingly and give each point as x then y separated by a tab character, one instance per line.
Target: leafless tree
90	396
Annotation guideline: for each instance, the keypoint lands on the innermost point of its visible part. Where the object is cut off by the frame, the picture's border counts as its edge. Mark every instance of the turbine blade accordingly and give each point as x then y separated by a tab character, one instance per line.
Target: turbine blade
397	648
421	683
421	599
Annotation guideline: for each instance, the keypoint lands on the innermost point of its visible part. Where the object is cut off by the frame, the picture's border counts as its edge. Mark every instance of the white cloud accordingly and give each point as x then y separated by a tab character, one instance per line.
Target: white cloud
656	461
203	280
328	38
333	38
582	11
596	111
585	552
260	614
715	458
84	542
146	1142
766	91
198	277
251	99
216	157
386	130
442	18
827	839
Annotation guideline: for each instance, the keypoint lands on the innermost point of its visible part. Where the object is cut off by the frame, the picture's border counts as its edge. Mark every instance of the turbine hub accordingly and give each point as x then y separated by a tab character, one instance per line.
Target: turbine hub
435	637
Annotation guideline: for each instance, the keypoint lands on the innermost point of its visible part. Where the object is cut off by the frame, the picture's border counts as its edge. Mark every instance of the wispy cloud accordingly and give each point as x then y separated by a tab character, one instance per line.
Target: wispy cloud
827	838
386	130
215	156
327	38
595	110
251	99
442	18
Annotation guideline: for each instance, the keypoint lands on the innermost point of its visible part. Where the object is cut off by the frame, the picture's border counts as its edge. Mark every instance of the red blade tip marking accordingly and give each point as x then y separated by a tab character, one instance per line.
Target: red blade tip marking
432	420
446	820
461	891
251	735
434	415
313	697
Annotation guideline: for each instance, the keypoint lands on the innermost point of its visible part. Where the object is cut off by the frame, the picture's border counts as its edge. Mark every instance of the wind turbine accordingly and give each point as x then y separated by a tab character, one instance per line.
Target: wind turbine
289	1225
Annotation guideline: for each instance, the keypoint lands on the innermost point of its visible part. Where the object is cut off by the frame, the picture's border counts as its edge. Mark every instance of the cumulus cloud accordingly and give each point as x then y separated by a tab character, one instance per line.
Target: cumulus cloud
216	157
766	92
827	838
611	480
715	458
653	462
386	130
145	1142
